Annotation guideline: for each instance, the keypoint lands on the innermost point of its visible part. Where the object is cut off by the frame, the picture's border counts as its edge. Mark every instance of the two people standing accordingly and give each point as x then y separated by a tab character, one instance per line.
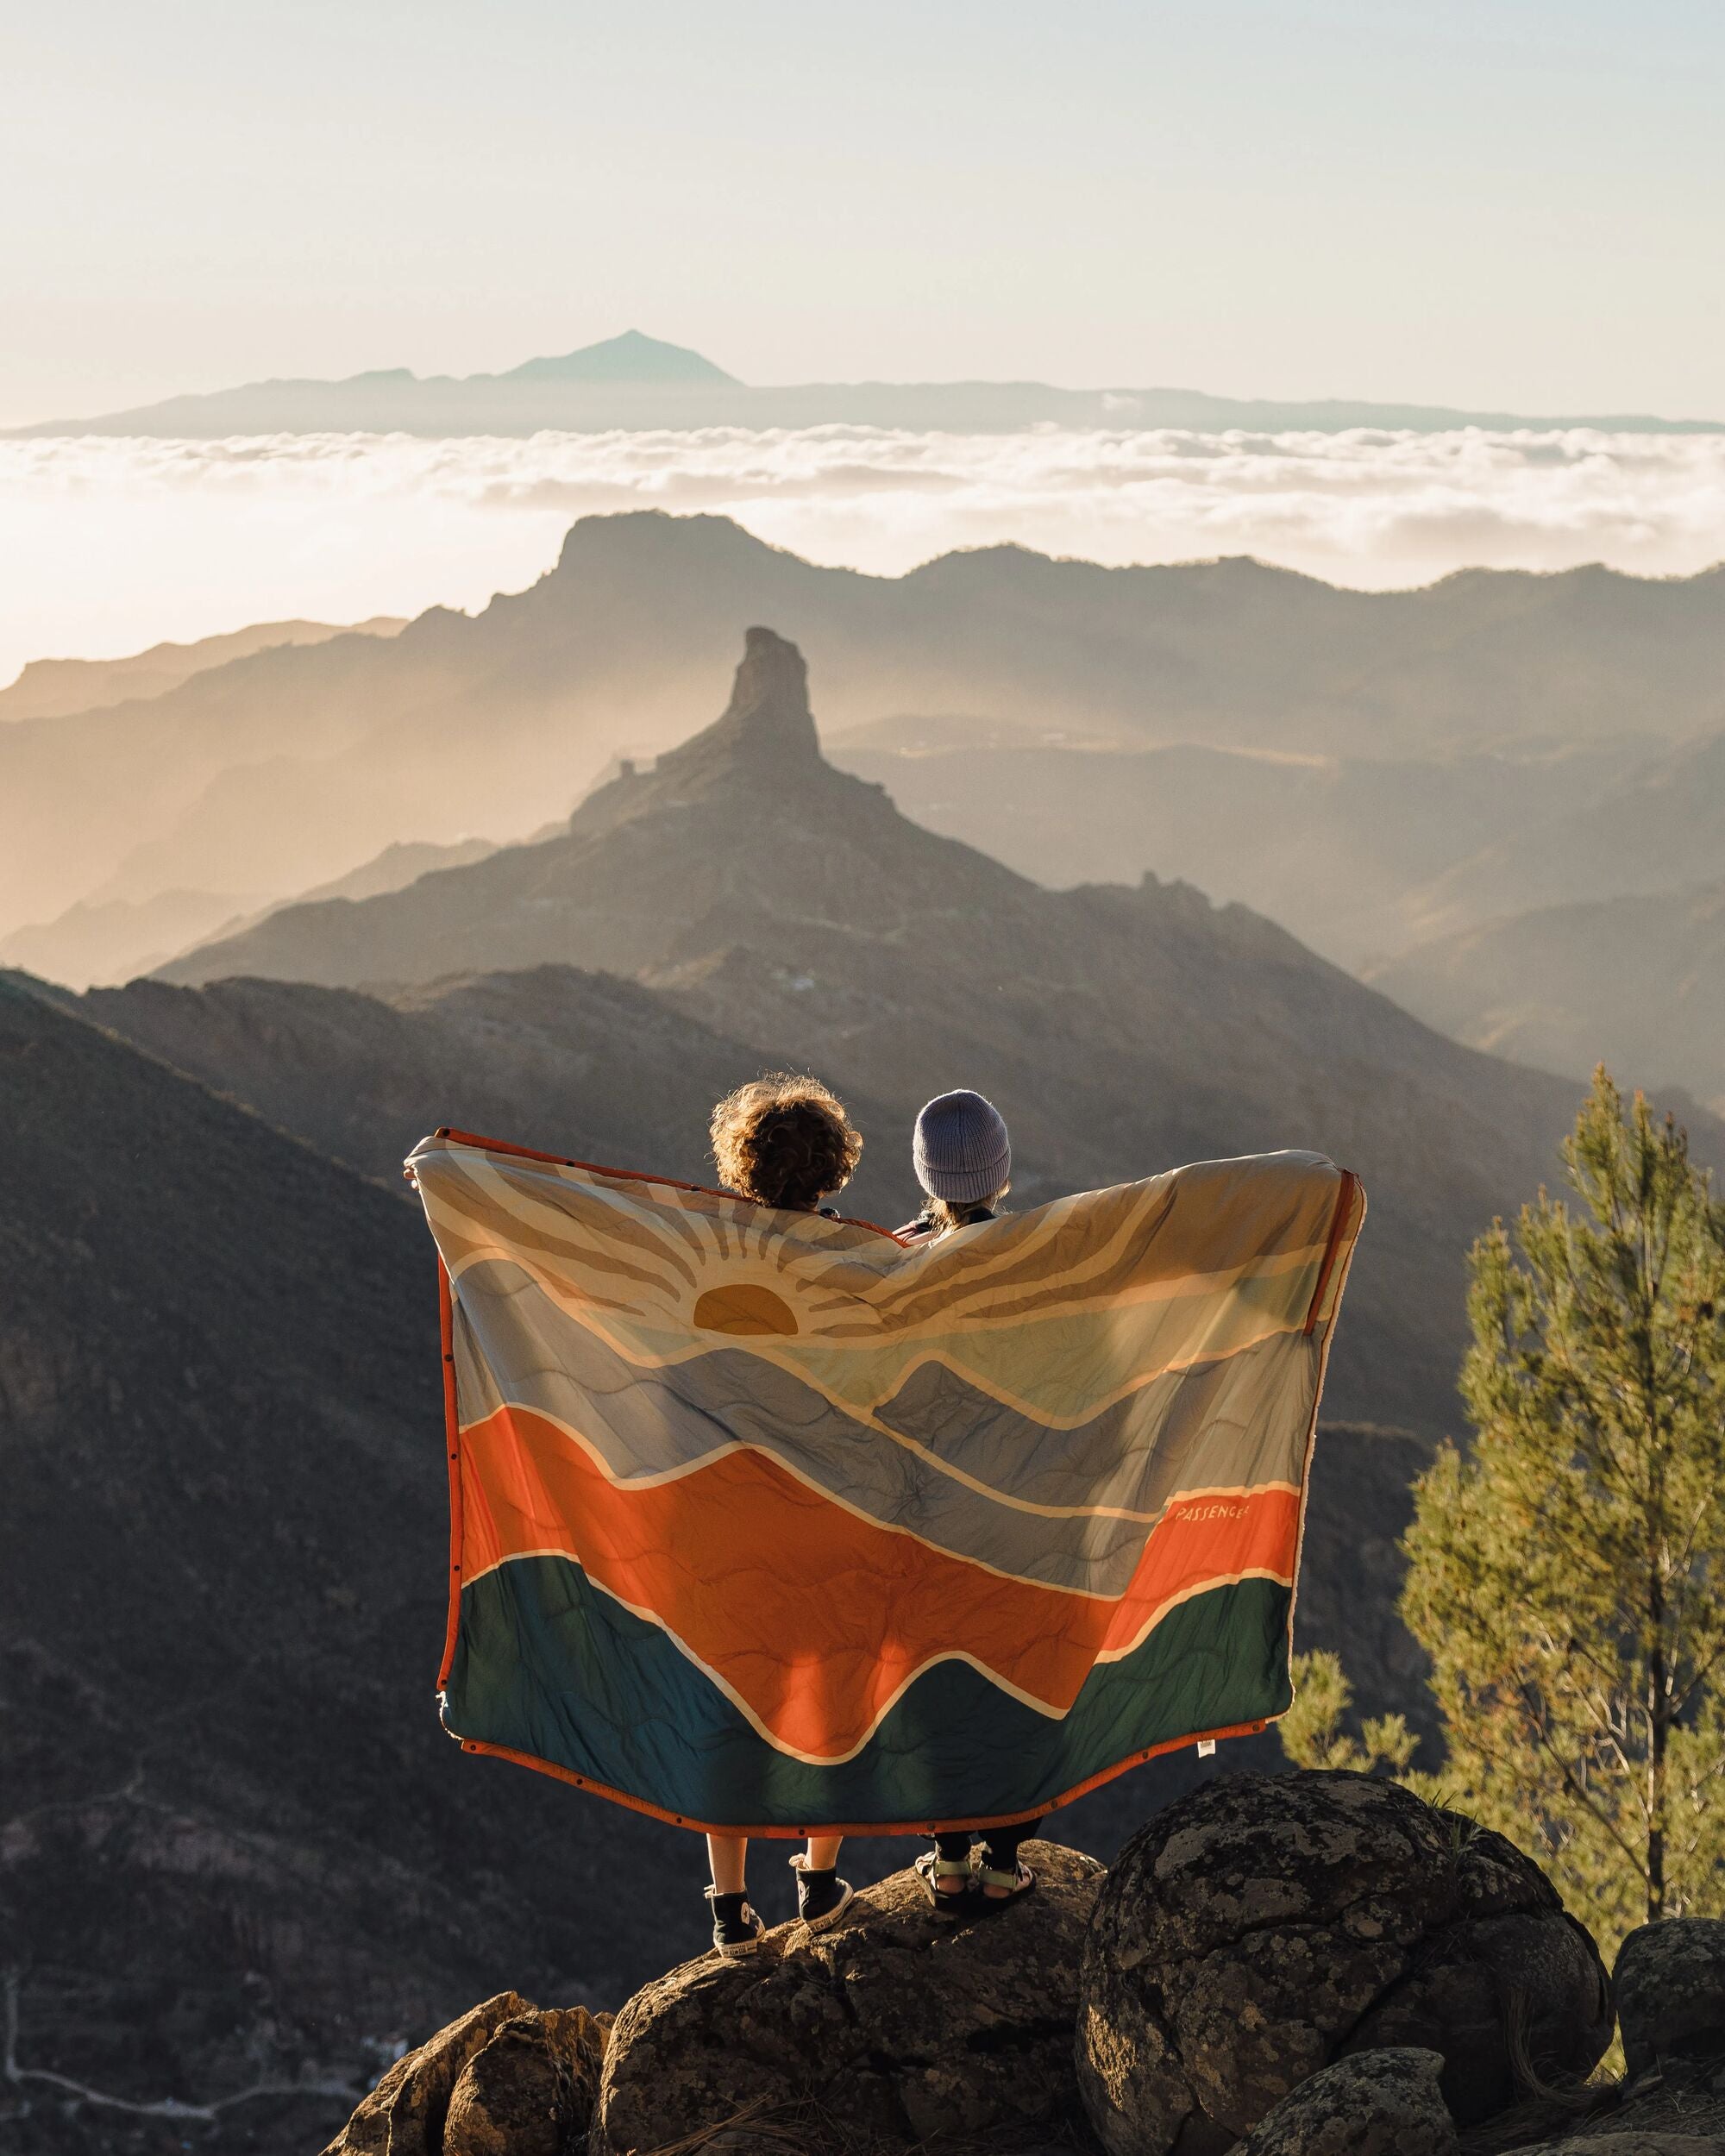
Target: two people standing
786	1141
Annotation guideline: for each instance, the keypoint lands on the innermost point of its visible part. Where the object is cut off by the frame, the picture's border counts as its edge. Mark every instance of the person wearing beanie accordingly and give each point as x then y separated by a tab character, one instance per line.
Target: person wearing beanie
963	1160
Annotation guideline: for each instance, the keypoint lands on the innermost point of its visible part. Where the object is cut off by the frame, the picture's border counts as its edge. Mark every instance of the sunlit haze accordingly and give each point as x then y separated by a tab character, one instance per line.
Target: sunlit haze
108	545
1513	207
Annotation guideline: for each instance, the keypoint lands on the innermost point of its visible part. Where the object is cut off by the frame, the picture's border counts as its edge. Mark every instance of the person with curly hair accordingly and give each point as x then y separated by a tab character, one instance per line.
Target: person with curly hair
785	1141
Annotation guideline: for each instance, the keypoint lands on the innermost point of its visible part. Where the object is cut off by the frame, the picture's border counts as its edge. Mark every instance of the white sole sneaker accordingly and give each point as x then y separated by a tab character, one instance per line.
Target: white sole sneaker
735	1949
824	1923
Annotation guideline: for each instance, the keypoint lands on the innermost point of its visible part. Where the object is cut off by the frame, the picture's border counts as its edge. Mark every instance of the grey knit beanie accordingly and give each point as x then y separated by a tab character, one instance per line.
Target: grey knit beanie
961	1149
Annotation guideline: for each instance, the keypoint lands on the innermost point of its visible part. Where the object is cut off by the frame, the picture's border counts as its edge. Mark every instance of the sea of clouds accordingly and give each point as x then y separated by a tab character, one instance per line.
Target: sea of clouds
110	545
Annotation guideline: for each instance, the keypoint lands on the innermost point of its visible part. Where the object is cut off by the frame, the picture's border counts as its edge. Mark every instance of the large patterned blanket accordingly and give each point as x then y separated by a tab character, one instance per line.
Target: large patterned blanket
769	1522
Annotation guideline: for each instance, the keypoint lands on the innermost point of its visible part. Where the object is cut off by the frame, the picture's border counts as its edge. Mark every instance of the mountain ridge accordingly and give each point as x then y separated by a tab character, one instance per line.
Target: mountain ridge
52	688
637	380
283	770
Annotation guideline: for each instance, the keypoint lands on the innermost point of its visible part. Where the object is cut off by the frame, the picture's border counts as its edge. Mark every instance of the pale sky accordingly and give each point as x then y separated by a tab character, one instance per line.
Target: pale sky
1515	204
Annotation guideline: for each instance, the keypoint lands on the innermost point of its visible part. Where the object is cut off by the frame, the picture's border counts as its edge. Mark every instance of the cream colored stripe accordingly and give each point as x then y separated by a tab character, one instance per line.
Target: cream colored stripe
866	1409
726	1446
1190	1593
871	1420
985	1670
1169	1288
1188	1287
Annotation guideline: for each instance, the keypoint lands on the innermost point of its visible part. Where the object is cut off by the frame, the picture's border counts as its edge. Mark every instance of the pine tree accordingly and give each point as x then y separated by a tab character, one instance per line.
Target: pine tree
1567	1573
1315	1732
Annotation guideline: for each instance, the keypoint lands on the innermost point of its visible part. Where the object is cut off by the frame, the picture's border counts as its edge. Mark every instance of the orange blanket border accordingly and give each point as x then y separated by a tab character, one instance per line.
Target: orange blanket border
869	1826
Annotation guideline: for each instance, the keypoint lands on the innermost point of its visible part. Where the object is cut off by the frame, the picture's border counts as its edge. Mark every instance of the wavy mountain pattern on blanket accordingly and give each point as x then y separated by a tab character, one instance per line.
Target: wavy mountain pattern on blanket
828	1473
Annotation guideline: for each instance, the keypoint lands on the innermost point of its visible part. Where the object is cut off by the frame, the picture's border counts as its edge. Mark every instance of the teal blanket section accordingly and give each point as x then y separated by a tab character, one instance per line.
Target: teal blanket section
548	1665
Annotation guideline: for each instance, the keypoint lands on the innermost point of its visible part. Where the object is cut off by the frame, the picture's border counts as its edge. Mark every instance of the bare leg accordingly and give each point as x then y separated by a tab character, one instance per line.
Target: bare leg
823	1851
727	1854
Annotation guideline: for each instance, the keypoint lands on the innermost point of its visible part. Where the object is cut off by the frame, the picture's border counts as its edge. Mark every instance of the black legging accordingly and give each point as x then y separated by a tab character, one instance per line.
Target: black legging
1002	1844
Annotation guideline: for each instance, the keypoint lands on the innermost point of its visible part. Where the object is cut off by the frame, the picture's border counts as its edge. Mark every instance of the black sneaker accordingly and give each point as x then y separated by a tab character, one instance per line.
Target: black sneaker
822	1896
736	1927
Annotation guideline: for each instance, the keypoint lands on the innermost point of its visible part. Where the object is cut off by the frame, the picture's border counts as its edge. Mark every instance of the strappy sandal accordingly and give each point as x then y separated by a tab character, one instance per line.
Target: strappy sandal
1018	1882
932	1868
815	1916
732	1939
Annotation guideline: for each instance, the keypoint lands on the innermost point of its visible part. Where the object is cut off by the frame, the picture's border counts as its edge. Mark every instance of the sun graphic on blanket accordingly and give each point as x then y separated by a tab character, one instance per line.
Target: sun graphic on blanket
652	1266
743	1306
716	1267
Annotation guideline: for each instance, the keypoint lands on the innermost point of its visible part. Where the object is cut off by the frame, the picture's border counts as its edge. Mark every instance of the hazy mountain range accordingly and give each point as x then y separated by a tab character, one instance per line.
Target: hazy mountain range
49	688
98	941
632	381
290	767
1358	855
1372	770
1639	982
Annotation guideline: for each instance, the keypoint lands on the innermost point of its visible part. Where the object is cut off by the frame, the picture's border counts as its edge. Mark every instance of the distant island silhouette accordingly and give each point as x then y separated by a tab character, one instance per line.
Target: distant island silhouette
636	381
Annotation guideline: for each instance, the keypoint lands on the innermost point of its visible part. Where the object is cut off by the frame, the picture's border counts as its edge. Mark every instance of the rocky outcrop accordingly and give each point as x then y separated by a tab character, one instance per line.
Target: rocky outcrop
530	2091
505	2080
1670	1982
403	2116
1376	2104
891	2030
1263	1926
1308	1965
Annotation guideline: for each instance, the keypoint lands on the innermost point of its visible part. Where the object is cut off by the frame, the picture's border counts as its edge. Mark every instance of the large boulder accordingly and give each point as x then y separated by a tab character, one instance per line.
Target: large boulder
1375	2104
1266	1925
1670	1981
886	2032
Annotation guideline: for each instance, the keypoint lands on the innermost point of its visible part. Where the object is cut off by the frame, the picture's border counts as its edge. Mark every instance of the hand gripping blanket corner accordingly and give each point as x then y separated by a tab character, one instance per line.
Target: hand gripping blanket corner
766	1522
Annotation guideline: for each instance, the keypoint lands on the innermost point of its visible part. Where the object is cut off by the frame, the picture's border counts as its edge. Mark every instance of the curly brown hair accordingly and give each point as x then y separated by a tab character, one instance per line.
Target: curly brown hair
784	1140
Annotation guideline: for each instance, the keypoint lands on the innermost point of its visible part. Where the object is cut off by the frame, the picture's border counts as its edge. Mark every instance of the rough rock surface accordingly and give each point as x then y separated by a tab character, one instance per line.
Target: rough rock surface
1374	2104
403	2116
886	2032
1630	2143
532	2091
1266	1925
1670	1982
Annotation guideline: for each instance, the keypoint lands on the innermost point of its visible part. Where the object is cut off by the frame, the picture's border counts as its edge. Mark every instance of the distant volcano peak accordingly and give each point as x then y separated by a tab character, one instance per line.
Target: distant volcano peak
629	358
